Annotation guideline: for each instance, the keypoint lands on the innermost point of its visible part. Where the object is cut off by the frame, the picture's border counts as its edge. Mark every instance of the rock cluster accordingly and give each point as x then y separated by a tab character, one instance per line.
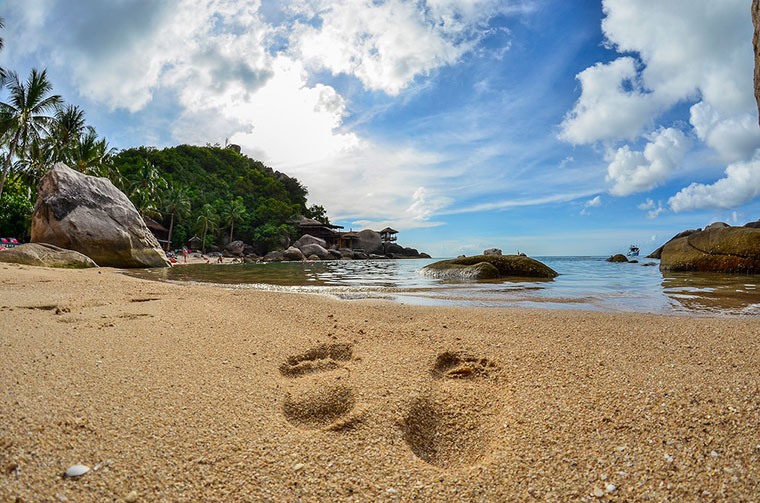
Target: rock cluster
618	258
90	215
489	267
368	245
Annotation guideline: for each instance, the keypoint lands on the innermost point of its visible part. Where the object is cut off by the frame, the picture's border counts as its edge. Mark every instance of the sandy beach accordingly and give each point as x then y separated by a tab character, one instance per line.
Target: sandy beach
198	393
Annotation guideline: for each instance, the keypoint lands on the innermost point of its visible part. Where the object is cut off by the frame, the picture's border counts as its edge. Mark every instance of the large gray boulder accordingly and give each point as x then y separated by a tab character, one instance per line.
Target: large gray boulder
335	254
88	214
483	267
293	254
308	239
492	251
235	248
46	255
315	249
369	241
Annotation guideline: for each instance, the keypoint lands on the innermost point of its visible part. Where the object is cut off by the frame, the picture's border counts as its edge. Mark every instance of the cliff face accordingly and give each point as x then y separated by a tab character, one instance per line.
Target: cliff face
756	44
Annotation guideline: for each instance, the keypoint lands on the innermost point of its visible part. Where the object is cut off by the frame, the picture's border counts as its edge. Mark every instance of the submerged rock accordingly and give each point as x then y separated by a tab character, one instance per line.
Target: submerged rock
618	258
90	215
46	255
716	249
489	267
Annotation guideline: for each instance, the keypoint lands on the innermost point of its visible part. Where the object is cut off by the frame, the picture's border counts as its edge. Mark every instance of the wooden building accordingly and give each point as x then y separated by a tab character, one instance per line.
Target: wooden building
160	232
318	229
388	235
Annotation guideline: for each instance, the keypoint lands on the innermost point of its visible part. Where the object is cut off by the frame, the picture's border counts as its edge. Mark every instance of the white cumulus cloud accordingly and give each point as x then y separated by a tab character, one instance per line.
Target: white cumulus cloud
632	171
740	185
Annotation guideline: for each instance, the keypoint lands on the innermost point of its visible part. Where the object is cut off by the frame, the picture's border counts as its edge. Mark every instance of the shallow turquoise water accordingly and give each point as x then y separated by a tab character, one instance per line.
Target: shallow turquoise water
583	283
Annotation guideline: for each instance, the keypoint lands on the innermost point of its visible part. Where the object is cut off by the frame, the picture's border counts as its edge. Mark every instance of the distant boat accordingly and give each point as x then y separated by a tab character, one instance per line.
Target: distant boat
633	251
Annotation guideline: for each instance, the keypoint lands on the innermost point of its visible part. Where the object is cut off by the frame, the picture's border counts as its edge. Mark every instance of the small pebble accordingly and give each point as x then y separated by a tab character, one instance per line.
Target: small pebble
598	492
610	487
603	477
391	490
714	454
131	497
668	458
76	470
298	466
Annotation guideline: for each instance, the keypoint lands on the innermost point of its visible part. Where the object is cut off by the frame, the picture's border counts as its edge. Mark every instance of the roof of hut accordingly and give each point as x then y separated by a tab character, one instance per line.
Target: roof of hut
388	230
153	225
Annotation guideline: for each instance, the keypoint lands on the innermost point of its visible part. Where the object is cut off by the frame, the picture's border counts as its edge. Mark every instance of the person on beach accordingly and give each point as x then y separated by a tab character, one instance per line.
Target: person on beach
220	260
184	253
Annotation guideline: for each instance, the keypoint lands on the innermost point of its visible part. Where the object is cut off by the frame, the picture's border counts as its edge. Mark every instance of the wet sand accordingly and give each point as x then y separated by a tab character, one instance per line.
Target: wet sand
198	393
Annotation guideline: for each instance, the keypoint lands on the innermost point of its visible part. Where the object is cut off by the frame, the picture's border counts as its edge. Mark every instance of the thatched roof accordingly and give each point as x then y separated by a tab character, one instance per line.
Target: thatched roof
302	221
153	225
388	230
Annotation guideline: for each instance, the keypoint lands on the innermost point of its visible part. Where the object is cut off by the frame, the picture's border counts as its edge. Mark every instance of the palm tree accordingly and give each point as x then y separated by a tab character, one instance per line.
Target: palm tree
68	128
90	155
208	219
234	212
23	117
177	205
35	162
145	187
2	44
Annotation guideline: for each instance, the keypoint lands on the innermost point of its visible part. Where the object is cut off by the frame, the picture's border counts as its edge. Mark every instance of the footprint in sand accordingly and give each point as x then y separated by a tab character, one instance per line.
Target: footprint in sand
319	396
454	422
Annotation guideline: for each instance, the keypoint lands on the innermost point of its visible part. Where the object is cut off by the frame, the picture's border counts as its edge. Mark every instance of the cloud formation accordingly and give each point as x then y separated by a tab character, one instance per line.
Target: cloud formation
684	50
633	171
740	185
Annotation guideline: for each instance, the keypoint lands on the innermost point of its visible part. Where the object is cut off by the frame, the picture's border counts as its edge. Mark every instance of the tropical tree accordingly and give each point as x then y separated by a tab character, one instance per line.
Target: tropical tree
34	163
2	44
177	206
207	220
67	129
90	155
146	185
233	212
23	117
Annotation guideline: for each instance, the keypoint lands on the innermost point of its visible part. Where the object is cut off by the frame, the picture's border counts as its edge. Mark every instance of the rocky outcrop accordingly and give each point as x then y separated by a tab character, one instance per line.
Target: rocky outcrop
715	249
754	225
369	241
618	258
88	214
308	239
47	255
492	251
293	254
315	249
483	267
658	252
235	248
756	44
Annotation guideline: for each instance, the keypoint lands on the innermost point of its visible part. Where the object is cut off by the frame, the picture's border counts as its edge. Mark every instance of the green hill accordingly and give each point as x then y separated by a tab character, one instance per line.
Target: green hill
217	176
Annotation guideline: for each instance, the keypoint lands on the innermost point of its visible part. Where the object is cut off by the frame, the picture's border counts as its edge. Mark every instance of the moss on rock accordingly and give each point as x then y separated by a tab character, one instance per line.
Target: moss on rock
490	267
725	250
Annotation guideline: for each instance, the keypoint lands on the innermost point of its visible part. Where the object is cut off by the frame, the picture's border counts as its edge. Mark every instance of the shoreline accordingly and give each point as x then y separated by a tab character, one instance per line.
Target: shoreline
194	392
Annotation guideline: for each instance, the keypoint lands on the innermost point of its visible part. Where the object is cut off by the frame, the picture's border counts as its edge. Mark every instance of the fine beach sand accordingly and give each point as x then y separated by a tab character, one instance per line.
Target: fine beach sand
197	393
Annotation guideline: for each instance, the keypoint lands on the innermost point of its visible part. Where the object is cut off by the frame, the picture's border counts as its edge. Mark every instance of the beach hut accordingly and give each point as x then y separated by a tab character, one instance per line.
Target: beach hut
194	243
160	232
388	235
347	239
317	229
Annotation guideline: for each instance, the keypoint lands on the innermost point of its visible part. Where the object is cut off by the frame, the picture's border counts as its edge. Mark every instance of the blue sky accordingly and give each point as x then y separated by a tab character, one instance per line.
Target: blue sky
552	127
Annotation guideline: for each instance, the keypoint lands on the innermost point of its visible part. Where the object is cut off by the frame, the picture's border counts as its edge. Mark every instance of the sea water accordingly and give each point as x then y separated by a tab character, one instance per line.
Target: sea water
588	283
